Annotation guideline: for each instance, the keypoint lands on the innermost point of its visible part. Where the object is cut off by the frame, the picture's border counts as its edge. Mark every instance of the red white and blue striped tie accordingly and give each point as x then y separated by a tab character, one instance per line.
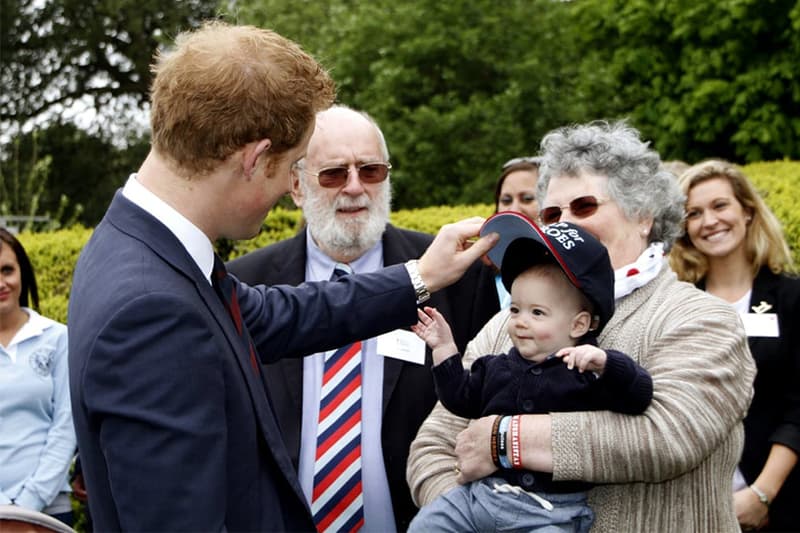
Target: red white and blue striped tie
337	500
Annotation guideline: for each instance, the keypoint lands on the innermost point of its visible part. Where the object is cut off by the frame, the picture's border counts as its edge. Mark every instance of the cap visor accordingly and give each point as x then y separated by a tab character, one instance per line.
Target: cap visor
510	226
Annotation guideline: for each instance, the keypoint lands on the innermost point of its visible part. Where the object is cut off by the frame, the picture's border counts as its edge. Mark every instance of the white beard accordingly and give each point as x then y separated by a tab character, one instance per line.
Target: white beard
351	237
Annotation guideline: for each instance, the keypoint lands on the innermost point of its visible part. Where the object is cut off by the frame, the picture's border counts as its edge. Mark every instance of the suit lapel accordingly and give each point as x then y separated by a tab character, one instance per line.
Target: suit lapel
136	222
765	289
292	270
131	219
395	250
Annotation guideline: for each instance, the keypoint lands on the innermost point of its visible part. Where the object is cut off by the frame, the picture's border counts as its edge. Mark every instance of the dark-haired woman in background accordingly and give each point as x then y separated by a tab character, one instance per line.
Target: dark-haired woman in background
734	248
37	440
516	187
516	191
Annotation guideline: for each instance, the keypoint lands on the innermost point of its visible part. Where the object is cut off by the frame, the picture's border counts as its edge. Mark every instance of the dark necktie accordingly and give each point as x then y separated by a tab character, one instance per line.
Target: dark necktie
225	287
337	500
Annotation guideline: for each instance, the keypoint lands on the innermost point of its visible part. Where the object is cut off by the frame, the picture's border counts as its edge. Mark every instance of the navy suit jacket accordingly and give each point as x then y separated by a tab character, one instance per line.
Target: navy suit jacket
408	393
174	426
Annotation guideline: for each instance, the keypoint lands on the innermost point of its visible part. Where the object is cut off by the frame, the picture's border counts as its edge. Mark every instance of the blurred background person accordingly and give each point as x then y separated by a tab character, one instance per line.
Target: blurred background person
516	191
734	248
516	187
676	166
37	440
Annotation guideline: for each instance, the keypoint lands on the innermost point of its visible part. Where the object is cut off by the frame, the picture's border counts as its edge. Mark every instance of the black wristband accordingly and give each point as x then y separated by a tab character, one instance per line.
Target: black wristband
495	427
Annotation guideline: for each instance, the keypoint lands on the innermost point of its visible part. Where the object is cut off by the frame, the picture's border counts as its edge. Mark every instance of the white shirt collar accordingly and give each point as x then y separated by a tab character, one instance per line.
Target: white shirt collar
34	327
191	237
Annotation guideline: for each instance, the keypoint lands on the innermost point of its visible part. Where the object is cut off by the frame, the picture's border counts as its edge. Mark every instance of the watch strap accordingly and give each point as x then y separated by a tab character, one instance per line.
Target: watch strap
420	290
762	496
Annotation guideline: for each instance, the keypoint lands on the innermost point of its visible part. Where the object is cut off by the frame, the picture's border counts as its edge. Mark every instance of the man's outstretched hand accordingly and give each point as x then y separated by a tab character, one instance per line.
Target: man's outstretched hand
452	252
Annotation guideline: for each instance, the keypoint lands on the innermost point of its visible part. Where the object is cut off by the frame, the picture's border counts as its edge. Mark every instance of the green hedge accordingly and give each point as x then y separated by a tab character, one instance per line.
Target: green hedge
779	183
54	254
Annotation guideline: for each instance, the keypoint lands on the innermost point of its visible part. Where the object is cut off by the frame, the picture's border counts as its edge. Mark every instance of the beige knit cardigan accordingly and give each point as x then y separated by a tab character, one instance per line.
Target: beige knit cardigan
669	469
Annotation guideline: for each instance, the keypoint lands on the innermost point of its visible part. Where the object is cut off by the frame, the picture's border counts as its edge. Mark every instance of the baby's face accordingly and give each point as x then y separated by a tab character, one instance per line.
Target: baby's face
543	312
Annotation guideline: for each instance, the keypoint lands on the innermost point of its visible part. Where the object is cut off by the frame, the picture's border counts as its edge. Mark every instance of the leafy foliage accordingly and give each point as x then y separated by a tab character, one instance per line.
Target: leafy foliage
24	193
458	87
53	256
55	53
778	183
701	79
81	166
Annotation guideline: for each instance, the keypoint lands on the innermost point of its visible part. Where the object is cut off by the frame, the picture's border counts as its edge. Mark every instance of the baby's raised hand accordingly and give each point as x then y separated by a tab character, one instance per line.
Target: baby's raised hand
434	330
584	357
432	327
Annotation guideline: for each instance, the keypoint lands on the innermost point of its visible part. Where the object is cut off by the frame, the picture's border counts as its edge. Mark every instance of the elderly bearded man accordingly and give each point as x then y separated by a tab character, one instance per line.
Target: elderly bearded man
343	187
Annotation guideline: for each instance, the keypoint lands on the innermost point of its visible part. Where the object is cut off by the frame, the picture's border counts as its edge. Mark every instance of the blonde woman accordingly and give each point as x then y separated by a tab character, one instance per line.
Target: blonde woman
734	248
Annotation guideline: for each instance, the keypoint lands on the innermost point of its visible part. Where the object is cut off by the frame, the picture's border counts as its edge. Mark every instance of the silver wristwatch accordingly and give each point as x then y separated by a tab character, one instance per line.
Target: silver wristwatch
420	290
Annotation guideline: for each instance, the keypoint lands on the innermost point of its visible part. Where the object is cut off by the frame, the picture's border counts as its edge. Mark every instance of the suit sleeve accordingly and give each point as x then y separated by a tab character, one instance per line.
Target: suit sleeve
787	431
161	414
289	321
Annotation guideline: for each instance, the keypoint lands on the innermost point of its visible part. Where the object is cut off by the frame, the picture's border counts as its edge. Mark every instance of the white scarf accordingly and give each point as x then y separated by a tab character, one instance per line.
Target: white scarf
630	277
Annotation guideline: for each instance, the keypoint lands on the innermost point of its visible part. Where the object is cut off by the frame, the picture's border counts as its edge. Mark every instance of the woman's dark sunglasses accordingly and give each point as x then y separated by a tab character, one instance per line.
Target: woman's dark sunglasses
581	207
337	176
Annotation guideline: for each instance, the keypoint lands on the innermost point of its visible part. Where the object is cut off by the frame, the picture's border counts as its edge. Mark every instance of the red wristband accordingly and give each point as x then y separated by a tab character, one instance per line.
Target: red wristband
516	451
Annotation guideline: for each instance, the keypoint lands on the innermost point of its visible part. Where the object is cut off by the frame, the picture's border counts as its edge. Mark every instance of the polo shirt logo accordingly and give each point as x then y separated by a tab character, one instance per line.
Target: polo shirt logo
41	361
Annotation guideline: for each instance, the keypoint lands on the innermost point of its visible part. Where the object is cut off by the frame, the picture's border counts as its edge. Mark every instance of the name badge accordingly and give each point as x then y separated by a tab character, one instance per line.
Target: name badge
761	325
403	345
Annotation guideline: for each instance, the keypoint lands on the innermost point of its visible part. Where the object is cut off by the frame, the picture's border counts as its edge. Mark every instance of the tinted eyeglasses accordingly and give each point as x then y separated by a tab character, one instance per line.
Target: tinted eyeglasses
329	177
518	160
581	207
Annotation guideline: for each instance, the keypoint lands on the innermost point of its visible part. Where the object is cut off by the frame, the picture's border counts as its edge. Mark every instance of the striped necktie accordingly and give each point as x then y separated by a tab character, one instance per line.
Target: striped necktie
337	500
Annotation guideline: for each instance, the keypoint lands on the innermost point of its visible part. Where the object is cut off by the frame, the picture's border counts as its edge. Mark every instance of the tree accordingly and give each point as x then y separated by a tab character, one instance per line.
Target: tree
23	186
83	169
55	53
458	87
700	79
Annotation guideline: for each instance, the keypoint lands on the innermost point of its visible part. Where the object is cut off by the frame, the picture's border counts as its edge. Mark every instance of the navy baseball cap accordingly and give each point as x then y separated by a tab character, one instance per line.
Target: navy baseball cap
577	252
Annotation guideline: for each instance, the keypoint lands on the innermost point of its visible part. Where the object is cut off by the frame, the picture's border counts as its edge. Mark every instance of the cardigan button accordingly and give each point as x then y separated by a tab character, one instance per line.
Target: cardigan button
536	370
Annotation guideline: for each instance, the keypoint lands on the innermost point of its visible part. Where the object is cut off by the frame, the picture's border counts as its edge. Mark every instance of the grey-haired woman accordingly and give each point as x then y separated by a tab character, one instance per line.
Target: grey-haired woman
668	469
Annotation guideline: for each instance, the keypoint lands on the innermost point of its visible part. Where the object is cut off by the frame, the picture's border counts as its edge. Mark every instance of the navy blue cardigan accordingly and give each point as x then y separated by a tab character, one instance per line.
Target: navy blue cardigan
508	384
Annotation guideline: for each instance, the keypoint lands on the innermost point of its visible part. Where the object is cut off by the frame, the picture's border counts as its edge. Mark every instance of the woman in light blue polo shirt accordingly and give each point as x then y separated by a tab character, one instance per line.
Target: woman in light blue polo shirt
37	440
